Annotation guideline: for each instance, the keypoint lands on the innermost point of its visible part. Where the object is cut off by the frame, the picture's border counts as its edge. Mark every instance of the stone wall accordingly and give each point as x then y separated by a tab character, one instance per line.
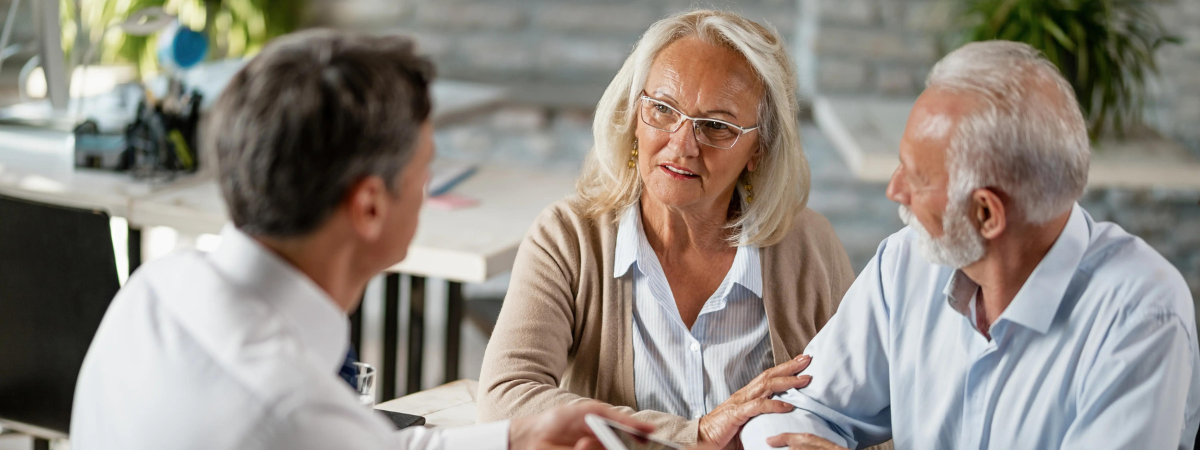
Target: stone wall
863	47
555	42
886	47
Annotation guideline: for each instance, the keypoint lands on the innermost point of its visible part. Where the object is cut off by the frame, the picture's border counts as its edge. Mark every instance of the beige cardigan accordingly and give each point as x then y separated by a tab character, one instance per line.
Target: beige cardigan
565	331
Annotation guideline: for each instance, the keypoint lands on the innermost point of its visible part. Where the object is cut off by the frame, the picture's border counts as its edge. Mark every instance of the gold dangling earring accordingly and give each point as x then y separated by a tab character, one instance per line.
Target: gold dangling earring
749	190
633	155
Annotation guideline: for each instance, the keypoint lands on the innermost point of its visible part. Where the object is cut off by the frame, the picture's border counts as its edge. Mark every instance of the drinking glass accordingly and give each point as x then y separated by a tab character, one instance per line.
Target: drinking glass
365	376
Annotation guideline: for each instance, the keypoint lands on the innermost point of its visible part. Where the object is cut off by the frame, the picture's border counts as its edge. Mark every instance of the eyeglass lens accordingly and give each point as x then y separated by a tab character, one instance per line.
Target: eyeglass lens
707	131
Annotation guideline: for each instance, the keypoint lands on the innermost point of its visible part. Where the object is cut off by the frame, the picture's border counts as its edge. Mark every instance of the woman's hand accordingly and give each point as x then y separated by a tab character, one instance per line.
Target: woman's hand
721	425
802	441
564	428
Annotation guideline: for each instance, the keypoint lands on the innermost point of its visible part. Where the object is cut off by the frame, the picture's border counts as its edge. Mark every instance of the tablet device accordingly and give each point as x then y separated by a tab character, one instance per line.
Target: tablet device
615	436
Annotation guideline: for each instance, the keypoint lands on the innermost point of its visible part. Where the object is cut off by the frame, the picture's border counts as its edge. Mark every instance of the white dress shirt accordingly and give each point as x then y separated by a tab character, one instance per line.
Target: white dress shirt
232	350
690	372
1097	350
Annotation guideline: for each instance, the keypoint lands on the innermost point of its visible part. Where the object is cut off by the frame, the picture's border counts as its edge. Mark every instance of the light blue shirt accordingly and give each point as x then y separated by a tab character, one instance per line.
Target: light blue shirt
1096	351
689	372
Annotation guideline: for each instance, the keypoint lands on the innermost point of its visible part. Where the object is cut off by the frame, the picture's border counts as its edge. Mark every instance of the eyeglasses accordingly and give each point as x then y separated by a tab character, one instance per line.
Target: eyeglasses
710	132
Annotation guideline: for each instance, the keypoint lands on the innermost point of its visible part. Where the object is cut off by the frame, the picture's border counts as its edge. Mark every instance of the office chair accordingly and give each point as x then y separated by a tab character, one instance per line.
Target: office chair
57	277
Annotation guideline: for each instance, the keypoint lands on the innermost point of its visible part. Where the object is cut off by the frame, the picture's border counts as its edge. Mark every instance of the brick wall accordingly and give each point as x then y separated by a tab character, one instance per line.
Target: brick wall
866	46
532	42
886	47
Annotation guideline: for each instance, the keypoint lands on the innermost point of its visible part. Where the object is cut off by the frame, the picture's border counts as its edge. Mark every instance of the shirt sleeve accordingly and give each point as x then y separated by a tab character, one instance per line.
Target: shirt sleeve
1135	394
848	401
330	425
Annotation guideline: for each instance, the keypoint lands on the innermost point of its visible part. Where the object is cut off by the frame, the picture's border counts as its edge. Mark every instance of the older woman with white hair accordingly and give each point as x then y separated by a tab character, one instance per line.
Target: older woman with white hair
687	275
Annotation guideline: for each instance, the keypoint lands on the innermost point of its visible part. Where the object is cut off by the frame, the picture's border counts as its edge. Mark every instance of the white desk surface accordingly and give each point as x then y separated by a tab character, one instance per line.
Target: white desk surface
867	132
467	245
38	164
449	405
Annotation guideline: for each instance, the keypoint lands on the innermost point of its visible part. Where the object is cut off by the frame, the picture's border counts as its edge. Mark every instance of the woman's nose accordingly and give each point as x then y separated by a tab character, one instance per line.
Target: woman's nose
683	140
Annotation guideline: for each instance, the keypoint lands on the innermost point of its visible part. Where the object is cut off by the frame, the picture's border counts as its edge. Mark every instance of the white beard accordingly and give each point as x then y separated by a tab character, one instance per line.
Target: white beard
960	244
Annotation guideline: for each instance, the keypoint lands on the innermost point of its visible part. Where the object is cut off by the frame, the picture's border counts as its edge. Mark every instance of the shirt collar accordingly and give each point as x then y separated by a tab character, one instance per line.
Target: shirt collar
309	313
627	241
1037	302
745	271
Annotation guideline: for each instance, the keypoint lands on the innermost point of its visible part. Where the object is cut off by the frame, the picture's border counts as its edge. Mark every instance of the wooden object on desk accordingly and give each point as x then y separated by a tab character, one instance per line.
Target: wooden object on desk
449	405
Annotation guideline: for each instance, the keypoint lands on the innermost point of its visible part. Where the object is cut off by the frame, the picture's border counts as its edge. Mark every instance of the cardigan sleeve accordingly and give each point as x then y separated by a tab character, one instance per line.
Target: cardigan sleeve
531	344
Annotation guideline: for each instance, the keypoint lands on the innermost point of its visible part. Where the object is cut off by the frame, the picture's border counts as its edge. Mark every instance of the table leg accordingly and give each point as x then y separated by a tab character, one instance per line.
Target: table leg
416	334
391	331
134	248
454	318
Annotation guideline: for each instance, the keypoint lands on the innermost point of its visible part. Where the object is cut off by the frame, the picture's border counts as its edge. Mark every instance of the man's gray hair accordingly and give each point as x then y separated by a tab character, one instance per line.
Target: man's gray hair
313	114
1028	139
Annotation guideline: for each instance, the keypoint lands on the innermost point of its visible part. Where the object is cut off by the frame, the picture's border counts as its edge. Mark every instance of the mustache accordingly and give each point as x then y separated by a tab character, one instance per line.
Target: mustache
906	215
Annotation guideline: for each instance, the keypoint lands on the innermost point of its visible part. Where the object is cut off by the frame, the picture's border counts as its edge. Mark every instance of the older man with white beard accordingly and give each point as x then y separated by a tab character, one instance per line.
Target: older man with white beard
1003	316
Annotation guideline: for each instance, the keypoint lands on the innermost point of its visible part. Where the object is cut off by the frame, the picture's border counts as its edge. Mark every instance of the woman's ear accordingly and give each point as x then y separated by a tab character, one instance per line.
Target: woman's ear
754	158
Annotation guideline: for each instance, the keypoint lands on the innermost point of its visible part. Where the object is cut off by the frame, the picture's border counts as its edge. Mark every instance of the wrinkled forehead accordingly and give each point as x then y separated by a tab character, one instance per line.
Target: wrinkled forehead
700	75
931	127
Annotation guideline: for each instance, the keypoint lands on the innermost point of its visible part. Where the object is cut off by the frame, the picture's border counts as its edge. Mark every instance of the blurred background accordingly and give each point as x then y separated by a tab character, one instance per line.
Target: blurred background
536	68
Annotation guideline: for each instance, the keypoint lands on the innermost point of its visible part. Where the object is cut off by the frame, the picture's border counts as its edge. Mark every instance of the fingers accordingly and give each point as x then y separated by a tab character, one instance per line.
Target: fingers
760	406
588	443
804	361
801	441
790	367
764	385
622	418
784	384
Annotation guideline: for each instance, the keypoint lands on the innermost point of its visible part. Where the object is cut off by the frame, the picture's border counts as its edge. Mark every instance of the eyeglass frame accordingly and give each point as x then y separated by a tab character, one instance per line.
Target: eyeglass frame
695	127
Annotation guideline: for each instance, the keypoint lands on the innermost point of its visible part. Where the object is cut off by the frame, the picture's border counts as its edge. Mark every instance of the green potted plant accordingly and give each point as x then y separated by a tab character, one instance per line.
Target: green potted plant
1105	48
235	27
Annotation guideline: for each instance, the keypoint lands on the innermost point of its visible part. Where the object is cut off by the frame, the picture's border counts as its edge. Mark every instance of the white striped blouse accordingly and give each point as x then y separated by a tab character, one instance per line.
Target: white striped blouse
689	372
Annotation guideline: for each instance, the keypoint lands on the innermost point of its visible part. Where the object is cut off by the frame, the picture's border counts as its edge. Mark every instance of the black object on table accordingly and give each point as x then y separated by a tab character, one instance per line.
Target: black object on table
57	277
402	420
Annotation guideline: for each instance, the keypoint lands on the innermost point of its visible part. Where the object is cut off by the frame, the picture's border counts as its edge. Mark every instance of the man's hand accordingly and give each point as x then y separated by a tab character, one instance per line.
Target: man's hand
564	428
802	441
723	424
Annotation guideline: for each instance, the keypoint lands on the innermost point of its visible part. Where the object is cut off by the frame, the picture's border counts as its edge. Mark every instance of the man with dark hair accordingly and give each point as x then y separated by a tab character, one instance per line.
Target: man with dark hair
323	144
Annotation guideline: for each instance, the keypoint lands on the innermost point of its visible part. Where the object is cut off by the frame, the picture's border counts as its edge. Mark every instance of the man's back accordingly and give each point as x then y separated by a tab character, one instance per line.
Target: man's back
1097	350
230	350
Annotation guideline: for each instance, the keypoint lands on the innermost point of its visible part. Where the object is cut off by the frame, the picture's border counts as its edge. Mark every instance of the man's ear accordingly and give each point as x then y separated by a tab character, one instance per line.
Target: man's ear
988	213
366	204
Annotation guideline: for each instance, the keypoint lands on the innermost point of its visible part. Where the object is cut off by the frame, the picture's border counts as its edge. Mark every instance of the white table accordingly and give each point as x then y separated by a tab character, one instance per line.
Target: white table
465	245
37	163
470	245
449	405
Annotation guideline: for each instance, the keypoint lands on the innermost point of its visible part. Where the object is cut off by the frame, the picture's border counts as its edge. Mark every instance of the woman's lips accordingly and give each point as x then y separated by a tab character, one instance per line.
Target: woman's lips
677	172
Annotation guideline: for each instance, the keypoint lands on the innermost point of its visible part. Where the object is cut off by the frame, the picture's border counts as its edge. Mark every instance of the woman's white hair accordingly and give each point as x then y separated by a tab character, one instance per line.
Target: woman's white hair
1028	139
781	182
